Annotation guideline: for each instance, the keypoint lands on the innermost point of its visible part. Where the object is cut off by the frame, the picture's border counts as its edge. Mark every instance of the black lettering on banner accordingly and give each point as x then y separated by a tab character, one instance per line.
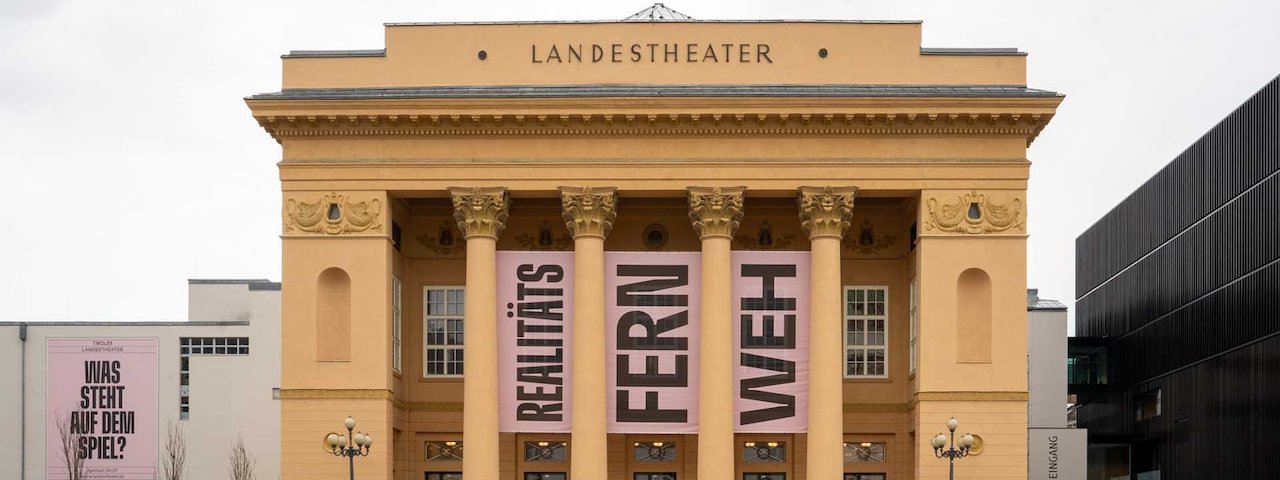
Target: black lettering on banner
650	413
658	335
670	276
785	307
749	390
539	316
102	421
651	377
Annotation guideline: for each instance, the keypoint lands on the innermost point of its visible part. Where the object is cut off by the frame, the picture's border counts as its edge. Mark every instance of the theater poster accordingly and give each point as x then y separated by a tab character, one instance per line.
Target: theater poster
101	407
535	332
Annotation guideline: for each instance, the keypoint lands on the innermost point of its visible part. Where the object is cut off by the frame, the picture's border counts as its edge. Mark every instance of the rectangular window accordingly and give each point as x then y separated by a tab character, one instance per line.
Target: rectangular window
914	314
864	476
864	452
444	476
764	476
764	452
442	332
654	476
396	327
444	451
189	346
655	452
1148	405
546	451
545	476
866	332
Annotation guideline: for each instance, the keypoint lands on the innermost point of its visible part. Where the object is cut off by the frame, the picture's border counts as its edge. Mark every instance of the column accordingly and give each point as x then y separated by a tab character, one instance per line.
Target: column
824	216
589	214
715	213
481	213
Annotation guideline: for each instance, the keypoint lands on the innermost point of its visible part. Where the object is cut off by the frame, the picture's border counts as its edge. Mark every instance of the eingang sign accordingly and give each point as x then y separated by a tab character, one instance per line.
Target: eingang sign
652	324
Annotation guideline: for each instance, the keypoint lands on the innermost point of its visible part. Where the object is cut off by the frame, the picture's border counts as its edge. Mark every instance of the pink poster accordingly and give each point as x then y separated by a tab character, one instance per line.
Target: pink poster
535	331
101	398
771	336
651	335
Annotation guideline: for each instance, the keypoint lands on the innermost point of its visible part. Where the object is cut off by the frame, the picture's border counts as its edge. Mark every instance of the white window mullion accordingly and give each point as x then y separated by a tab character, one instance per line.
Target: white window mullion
442	332
866	332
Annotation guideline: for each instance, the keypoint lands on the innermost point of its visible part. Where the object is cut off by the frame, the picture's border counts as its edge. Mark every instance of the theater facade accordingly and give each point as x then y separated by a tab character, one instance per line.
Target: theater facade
654	250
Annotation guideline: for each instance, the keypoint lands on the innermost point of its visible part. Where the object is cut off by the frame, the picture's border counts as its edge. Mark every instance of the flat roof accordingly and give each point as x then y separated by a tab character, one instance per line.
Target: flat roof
144	323
579	22
557	91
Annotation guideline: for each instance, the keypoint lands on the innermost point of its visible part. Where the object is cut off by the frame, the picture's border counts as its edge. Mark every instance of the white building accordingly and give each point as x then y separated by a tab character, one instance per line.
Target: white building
1054	451
217	378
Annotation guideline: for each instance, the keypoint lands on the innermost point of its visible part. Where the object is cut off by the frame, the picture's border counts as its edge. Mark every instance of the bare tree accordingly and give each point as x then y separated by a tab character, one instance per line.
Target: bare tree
175	454
70	436
242	461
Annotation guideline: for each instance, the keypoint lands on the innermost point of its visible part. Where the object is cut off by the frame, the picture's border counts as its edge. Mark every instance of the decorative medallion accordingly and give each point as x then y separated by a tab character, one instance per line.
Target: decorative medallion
654	236
825	211
480	211
975	213
545	239
445	242
588	211
333	214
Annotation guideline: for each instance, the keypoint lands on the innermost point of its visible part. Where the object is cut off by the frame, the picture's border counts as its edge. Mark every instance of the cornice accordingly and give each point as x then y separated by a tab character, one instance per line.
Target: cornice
284	125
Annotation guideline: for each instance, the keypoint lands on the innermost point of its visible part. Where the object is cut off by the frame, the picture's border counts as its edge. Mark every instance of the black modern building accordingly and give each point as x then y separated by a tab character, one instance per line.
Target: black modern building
1176	363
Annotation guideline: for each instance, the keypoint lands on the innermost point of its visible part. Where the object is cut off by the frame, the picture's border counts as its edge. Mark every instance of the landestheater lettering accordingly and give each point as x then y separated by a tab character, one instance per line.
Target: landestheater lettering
651	53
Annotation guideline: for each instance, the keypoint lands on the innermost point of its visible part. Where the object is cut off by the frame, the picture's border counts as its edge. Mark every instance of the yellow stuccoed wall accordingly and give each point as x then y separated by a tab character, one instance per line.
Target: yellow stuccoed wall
916	159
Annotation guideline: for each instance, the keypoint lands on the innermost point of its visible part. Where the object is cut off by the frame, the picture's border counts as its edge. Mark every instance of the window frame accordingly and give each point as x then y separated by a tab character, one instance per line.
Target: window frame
844	338
913	315
427	317
397	325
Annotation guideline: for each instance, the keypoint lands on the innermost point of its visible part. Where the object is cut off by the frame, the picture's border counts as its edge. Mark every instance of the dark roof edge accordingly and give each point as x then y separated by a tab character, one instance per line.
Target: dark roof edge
992	52
381	52
255	284
553	91
578	22
65	323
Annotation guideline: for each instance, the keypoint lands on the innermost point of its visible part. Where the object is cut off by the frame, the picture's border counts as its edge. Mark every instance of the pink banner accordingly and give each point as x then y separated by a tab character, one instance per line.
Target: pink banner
535	332
101	395
651	335
771	336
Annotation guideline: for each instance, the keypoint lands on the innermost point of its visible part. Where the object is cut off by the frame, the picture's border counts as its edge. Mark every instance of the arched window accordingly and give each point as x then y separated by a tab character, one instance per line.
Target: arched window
333	315
973	316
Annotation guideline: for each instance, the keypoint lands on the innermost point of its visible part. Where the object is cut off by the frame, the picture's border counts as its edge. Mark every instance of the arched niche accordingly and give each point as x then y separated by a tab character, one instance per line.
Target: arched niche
973	316
333	315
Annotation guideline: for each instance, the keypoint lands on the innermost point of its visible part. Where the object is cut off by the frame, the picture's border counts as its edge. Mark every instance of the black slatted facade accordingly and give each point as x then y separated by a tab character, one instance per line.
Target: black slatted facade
1183	280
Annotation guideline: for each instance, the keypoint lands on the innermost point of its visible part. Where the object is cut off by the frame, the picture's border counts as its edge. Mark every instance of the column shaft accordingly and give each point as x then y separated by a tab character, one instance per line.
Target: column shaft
481	214
588	213
480	387
588	457
825	213
826	379
715	213
715	401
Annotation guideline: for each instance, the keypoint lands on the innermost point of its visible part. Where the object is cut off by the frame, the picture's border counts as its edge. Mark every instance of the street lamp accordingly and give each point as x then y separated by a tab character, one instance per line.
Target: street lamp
952	453
337	444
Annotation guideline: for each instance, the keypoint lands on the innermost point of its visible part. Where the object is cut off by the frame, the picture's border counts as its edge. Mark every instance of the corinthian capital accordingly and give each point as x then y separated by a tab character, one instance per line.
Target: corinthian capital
715	211
480	211
588	211
825	211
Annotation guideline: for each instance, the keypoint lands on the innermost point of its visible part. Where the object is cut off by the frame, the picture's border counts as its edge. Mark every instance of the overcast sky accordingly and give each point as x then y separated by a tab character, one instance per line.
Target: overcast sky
129	162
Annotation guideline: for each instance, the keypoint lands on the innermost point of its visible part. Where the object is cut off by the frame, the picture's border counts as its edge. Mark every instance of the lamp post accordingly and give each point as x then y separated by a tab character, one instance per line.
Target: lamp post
955	450
360	443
